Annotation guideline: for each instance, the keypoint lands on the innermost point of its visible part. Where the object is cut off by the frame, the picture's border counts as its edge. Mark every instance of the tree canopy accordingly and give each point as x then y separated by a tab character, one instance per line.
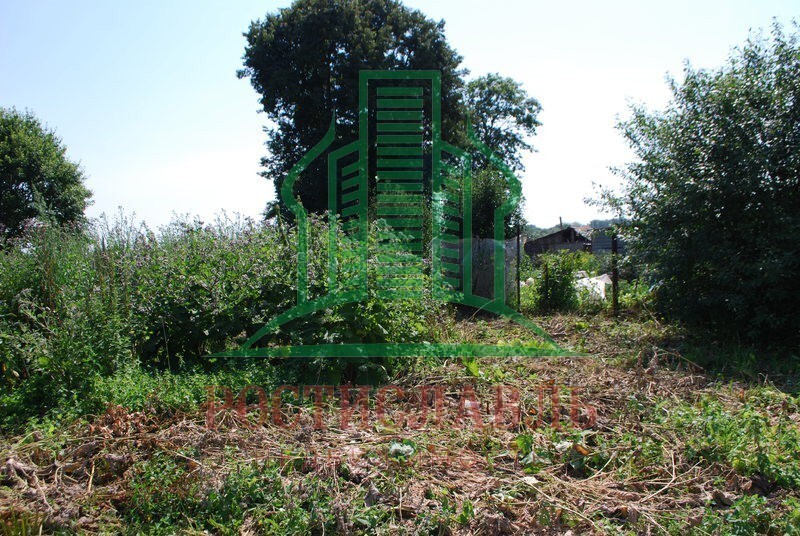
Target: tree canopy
504	118
37	180
713	196
503	115
304	61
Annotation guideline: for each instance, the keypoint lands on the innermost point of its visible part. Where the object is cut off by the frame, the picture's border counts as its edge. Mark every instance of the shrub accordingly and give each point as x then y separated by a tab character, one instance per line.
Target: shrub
59	323
76	307
713	194
554	289
196	288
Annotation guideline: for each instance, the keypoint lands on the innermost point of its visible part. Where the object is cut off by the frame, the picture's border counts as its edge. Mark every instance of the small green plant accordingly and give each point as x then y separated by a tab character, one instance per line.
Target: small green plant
748	515
746	439
162	492
167	497
555	288
467	513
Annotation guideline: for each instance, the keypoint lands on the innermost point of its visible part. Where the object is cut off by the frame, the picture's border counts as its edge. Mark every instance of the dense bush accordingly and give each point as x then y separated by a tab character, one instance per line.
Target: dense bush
59	326
553	287
79	306
713	200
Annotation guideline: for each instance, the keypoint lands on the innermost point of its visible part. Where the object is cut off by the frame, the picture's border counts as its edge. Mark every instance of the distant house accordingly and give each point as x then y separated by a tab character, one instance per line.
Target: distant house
567	239
580	238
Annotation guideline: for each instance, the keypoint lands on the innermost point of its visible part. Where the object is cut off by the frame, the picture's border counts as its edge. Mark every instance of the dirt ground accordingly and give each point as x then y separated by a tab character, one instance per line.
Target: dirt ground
612	463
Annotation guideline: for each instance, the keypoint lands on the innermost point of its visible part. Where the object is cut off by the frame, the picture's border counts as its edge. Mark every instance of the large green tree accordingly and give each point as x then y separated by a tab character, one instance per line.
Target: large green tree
713	198
504	116
304	61
37	180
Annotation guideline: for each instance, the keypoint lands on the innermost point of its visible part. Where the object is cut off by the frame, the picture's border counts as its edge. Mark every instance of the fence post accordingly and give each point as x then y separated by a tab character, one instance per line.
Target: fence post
547	300
614	274
518	261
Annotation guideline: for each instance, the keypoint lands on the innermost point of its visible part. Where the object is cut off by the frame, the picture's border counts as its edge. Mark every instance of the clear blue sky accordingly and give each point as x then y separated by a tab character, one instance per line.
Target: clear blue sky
145	95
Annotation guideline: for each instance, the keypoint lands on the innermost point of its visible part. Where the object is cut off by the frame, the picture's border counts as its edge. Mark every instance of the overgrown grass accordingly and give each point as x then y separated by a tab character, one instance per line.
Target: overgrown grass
757	439
119	312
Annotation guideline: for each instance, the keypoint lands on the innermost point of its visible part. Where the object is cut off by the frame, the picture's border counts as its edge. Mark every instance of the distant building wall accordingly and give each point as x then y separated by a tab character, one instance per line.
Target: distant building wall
601	242
596	241
568	239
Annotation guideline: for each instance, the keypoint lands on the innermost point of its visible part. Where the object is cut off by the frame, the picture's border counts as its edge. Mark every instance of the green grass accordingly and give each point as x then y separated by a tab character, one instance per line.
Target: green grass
167	496
756	439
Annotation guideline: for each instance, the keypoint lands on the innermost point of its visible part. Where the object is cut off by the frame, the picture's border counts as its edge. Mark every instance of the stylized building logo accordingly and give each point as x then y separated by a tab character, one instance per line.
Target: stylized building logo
416	176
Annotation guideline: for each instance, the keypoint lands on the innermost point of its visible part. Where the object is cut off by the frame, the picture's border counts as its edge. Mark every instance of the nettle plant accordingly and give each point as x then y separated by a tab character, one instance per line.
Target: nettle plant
78	305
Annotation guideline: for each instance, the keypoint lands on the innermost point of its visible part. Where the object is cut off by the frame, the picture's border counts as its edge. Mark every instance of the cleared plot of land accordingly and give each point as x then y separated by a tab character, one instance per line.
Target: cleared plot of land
671	448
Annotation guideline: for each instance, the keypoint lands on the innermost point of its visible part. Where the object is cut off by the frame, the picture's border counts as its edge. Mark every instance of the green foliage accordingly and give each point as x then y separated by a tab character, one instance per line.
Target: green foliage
588	262
554	289
304	61
634	295
37	181
713	197
140	389
489	191
91	318
75	307
544	296
748	440
503	116
471	365
58	327
166	496
749	515
372	320
197	287
161	492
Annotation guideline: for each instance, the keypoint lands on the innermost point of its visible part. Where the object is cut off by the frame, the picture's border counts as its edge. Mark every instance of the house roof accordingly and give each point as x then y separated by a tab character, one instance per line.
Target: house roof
567	234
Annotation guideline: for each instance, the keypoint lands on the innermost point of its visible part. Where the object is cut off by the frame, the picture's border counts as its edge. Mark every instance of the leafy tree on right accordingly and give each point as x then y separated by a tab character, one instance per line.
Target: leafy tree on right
713	198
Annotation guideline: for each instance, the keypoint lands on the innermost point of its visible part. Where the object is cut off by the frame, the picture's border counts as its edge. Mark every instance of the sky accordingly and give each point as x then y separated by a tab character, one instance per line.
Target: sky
145	95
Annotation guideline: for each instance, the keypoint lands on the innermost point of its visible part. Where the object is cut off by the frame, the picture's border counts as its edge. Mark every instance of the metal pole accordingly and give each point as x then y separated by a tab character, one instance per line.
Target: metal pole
519	288
614	275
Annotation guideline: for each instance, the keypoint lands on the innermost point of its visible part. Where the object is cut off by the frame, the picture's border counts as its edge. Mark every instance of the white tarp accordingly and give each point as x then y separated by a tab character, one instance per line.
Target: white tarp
595	286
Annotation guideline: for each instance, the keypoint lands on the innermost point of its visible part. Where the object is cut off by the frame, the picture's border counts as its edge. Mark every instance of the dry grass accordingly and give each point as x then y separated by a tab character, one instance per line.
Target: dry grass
629	472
